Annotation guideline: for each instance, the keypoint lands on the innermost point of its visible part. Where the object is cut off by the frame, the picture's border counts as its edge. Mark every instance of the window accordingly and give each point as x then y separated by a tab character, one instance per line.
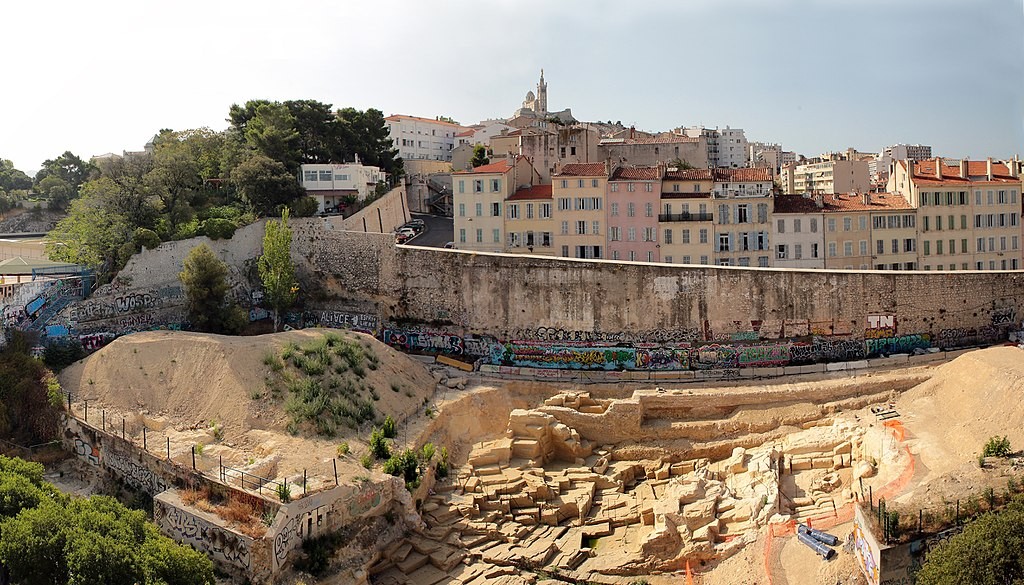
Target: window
513	211
564	204
686	236
1002	243
479	236
495	185
814	250
796	226
847	248
963	246
781	226
927	248
831	224
632	256
629	187
762	240
462	235
1014	243
723	242
926	223
895	246
649	187
704	260
631	234
863	223
631	208
479	209
814	225
938	223
649	234
325	175
581	228
615	209
495	209
545	211
565	184
723	214
496	234
704	237
309	176
879	247
462	210
650	256
614	187
780	251
798	251
579	184
593	182
565	228
963	222
743	213
910	245
613	233
762	261
596	228
831	249
615	255
649	209
847	224
478	186
762	213
668	236
565	251
863	247
938	247
981	245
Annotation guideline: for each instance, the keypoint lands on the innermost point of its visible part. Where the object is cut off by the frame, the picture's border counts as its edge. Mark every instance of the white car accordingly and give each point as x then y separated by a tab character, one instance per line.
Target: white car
407	232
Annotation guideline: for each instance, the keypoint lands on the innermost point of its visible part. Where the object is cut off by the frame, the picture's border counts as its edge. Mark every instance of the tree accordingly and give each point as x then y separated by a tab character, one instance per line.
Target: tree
57	191
28	410
272	132
265	184
367	134
479	156
990	550
12	179
96	229
206	288
276	269
68	168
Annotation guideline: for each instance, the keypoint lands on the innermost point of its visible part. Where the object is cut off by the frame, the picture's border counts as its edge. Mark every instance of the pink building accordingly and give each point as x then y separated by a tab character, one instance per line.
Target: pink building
634	195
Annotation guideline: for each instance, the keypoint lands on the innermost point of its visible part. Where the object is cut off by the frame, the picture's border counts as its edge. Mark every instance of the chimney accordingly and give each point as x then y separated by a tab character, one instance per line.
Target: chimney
867	198
963	169
938	168
819	200
988	168
910	169
632	132
1014	167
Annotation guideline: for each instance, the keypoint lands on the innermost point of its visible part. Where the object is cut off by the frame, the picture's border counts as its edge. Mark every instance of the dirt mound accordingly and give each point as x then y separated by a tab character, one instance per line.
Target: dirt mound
193	379
976	396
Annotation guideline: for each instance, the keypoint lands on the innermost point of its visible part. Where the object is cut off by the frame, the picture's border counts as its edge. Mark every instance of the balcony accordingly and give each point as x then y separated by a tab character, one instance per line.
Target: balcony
684	217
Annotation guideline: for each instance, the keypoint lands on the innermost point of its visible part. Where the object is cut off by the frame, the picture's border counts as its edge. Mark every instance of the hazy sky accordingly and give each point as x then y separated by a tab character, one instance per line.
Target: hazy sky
814	75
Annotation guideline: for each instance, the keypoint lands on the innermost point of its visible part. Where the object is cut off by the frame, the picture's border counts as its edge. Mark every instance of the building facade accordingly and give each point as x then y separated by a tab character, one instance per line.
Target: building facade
634	195
742	217
479	197
798	234
335	184
579	195
529	221
832	176
685	221
422	138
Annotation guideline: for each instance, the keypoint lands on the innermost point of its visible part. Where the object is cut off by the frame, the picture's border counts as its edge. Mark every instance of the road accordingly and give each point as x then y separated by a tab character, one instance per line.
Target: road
439	231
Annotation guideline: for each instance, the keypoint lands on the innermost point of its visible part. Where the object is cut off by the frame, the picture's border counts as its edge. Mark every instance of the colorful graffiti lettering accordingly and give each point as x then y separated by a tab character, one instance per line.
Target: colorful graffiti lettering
715	357
134	302
570	357
763	355
135	474
880	327
343	320
365	501
87	452
904	344
424	341
663	358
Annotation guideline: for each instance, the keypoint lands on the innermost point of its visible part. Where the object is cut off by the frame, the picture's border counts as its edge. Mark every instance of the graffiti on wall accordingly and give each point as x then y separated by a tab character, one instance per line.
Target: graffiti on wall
663	358
363	322
776	354
286	539
902	344
552	334
1002	316
365	501
424	341
216	541
86	452
880	327
134	473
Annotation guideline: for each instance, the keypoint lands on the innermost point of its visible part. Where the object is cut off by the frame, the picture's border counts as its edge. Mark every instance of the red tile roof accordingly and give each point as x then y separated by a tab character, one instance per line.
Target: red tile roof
636	174
745	175
690	175
796	204
502	166
469	132
924	173
582	170
534	192
842	202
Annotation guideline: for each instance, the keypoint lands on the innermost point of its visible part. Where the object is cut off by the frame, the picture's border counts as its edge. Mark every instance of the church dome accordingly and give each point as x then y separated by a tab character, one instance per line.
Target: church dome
530	97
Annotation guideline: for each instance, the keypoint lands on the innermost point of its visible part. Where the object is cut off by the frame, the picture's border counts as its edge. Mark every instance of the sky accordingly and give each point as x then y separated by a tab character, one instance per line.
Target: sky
814	75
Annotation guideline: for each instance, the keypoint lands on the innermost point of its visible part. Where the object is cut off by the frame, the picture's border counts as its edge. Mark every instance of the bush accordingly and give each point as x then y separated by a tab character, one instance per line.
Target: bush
404	465
217	228
304	207
997	447
343	449
379	444
389	428
284	492
145	238
62	353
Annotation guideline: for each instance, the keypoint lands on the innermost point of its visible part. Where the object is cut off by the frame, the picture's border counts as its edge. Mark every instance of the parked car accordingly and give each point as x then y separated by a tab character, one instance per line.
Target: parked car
401	238
449	245
407	232
416	223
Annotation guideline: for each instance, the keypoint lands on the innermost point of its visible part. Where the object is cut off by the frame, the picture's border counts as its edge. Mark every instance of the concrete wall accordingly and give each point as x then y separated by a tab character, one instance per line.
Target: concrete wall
382	216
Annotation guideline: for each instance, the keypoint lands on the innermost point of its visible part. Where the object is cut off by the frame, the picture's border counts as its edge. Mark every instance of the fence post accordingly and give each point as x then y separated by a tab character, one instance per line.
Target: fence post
920	520
103	412
193	457
168	448
122	427
303	482
221	463
86	411
144	444
69	403
335	462
958	511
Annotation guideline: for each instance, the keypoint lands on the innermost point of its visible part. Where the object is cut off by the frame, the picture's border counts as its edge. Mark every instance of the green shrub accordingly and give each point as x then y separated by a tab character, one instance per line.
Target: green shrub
304	207
379	444
284	492
343	449
997	447
389	428
367	461
404	465
216	228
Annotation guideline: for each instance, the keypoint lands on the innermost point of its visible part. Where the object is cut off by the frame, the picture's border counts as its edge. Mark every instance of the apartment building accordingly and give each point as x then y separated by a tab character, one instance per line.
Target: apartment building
634	195
479	196
333	184
830	176
538	145
742	217
685	221
798	235
422	138
529	221
969	214
579	193
635	148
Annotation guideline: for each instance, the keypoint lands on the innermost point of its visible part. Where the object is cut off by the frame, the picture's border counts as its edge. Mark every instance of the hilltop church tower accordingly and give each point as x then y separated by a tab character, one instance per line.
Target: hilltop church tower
542	97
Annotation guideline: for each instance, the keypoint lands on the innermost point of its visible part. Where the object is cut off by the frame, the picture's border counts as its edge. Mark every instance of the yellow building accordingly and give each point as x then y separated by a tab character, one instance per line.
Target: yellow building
529	221
578	197
847	232
685	219
969	214
478	198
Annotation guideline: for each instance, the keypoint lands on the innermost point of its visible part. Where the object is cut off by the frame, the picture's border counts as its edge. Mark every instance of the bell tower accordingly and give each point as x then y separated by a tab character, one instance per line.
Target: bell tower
542	97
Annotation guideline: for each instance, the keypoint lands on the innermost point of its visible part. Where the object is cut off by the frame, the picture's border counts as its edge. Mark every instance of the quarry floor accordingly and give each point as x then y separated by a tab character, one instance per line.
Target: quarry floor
946	411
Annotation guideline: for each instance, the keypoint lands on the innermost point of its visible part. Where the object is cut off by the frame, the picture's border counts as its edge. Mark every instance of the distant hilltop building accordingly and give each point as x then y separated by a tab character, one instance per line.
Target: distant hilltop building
534	111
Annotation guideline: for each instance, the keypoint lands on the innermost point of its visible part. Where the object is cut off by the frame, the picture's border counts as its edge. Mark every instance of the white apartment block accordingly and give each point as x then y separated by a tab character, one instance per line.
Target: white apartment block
727	147
422	138
834	176
916	152
331	184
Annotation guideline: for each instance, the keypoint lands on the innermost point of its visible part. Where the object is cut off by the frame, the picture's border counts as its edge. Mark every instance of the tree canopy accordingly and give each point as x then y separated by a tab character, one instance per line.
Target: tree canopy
205	278
48	538
30	398
275	266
